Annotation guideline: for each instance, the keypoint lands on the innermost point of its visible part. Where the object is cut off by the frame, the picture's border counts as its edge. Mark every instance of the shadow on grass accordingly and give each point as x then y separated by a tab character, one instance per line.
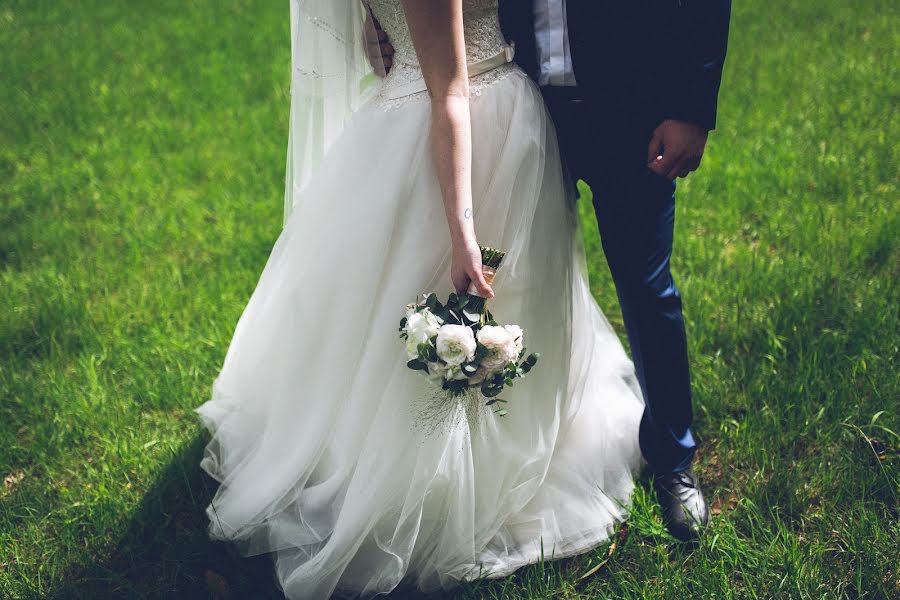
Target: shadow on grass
166	553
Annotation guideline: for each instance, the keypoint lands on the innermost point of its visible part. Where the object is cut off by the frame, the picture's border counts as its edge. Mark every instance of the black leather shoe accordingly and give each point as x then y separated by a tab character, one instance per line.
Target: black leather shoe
685	511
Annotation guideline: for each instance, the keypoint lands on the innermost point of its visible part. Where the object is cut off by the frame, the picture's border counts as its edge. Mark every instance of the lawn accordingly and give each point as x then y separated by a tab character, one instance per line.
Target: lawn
142	149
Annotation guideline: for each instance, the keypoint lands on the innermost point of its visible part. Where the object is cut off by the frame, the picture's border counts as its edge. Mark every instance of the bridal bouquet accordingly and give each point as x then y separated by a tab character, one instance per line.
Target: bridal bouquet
458	345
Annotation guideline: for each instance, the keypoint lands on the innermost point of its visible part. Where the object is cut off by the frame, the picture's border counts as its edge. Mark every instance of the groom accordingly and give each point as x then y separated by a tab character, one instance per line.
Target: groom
632	87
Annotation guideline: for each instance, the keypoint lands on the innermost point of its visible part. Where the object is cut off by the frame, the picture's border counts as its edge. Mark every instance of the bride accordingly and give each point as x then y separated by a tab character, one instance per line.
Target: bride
392	183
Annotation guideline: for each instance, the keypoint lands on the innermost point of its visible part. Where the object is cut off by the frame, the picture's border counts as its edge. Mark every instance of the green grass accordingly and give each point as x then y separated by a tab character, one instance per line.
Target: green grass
141	171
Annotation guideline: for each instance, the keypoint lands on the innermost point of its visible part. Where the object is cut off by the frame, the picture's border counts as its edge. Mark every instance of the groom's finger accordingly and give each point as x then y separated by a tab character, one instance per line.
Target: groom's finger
654	148
664	164
680	162
676	171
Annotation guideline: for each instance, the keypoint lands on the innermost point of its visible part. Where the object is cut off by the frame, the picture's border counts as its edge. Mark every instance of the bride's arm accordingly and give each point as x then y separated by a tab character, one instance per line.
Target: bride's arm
436	27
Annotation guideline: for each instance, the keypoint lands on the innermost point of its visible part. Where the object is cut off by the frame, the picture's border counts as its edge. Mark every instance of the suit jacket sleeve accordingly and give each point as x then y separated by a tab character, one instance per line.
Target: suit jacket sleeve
696	76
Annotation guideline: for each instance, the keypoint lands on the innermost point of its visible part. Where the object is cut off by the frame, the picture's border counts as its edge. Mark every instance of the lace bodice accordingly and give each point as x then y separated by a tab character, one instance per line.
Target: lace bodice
483	40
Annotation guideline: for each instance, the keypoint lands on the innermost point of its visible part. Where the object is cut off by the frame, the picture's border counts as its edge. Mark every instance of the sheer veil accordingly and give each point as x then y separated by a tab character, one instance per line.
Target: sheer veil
330	78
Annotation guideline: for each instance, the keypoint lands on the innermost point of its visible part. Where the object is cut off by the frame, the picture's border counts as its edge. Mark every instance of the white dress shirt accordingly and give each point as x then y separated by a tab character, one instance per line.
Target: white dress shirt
552	37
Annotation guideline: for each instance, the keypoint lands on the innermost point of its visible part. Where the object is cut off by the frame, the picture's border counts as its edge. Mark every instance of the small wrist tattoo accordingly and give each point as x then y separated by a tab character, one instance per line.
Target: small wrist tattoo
468	213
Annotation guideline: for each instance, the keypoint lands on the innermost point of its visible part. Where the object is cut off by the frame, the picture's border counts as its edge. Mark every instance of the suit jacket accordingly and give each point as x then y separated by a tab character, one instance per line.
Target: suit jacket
644	59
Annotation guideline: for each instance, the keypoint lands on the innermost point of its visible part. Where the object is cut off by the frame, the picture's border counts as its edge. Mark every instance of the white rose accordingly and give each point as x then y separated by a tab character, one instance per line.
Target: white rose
518	335
501	347
422	326
455	344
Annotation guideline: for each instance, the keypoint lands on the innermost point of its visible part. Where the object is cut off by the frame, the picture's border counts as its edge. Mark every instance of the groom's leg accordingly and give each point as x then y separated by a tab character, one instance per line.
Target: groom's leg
636	214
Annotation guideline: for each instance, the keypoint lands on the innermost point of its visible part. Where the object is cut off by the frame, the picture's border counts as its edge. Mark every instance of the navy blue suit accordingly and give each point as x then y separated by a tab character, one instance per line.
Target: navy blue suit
637	63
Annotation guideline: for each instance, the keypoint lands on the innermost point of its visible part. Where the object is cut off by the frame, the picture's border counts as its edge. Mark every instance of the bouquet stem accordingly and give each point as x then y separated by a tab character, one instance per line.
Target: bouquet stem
490	262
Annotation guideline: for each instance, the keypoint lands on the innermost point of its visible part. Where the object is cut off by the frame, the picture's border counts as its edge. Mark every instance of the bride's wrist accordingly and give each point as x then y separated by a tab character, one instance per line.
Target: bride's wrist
461	237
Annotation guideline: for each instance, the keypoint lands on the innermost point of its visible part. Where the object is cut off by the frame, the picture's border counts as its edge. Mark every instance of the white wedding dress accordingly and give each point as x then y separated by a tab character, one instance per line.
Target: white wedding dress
316	442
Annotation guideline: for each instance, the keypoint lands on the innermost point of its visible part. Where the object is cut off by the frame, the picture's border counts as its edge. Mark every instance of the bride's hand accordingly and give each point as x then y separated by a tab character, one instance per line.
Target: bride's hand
465	268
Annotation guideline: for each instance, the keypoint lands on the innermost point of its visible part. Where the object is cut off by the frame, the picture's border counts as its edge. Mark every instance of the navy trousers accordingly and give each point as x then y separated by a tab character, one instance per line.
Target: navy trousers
635	211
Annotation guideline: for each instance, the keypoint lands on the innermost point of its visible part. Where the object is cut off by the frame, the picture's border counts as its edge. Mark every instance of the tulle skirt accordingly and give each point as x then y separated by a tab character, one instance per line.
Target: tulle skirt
318	439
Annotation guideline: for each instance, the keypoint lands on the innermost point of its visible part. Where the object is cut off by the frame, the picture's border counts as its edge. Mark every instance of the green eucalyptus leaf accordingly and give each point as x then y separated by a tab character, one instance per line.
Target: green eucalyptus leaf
491	391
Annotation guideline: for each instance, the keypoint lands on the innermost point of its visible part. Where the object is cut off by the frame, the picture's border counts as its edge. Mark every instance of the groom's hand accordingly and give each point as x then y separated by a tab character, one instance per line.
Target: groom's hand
676	148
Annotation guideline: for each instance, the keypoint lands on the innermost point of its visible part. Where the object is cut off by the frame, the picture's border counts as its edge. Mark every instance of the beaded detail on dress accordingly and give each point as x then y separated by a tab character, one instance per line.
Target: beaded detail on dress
484	39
